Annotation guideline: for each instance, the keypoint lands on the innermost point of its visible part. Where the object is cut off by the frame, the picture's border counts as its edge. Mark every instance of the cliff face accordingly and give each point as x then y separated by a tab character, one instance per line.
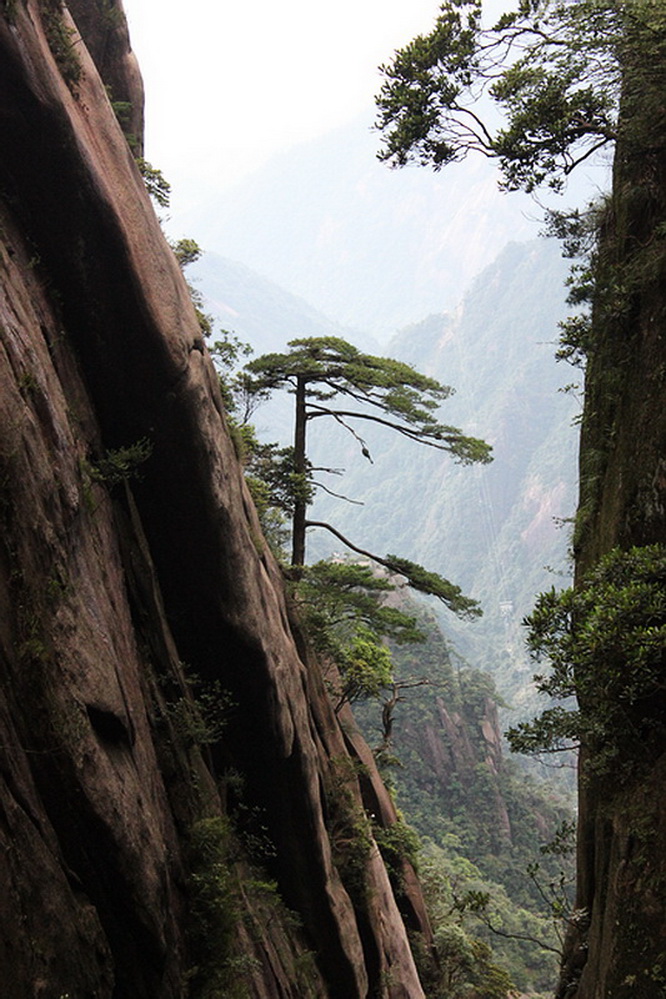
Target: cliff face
619	949
142	842
457	752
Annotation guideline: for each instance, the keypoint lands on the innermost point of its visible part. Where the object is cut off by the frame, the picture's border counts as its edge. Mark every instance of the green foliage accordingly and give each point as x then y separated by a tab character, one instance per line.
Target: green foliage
121	464
576	340
214	912
248	820
482	820
270	476
187	251
270	470
397	843
551	67
112	14
227	892
556	730
431	583
554	889
27	383
465	967
327	374
345	594
579	233
599	283
200	718
346	619
9	8
366	667
275	468
348	827
157	186
62	41
273	524
567	78
605	643
204	319
333	369
123	112
226	354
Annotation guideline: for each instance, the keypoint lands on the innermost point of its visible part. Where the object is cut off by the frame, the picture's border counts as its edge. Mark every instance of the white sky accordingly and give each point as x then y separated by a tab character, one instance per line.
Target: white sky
229	84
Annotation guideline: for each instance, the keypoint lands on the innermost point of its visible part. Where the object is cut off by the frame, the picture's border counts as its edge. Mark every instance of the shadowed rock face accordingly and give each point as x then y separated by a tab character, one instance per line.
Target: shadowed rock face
108	586
618	947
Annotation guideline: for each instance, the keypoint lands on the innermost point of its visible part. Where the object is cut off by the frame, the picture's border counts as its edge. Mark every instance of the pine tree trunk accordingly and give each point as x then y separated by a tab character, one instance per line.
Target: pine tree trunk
300	505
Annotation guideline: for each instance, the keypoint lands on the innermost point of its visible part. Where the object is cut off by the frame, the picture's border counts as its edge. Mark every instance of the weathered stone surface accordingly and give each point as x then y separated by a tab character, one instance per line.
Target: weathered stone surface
108	588
103	28
618	947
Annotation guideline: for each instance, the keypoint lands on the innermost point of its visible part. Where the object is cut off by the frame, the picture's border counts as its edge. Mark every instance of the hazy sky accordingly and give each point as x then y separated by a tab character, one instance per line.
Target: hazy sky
228	84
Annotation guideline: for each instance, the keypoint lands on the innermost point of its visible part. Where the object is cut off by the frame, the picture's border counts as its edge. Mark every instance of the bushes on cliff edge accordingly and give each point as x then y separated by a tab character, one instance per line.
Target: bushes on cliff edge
605	644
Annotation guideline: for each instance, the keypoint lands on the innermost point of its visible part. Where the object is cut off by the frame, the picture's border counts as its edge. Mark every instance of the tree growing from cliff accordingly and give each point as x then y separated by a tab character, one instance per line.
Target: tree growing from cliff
603	642
551	67
344	609
567	79
329	377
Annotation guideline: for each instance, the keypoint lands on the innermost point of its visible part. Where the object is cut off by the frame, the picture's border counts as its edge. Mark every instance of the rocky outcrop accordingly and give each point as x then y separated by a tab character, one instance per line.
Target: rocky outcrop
170	790
461	754
618	946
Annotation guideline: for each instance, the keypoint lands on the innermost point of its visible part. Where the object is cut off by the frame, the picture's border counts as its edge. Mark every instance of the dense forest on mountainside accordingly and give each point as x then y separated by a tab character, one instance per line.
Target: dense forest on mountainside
486	827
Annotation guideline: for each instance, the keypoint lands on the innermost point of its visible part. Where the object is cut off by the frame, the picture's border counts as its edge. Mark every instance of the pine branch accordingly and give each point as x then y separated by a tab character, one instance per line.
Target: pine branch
347	499
417	577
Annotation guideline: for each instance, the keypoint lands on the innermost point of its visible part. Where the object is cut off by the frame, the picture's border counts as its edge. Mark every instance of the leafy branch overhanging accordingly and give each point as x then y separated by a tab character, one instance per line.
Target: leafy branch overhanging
551	68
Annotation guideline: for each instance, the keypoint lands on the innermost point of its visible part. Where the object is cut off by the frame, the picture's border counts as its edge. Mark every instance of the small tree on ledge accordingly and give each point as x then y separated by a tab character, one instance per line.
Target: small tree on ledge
329	377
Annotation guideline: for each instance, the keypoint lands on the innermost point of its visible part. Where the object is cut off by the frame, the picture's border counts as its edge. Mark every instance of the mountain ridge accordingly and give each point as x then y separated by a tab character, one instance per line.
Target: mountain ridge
368	246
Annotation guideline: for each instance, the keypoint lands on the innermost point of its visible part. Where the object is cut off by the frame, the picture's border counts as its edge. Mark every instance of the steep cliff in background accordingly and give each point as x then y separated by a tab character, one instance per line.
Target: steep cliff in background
145	845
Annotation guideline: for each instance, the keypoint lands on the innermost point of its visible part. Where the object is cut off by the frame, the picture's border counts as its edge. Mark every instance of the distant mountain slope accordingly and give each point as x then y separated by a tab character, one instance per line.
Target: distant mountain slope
258	310
441	745
490	529
368	246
